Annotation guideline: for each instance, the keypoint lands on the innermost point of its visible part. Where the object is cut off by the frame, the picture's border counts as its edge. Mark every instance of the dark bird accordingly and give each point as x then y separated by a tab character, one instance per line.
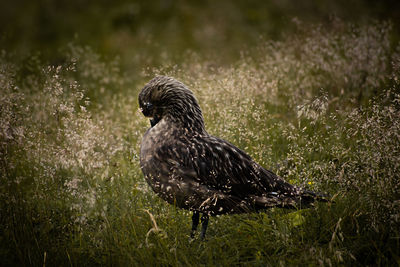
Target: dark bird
193	170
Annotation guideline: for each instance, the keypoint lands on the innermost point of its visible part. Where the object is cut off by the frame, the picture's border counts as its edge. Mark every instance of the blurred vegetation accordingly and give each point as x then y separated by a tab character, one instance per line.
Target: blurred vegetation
309	90
146	32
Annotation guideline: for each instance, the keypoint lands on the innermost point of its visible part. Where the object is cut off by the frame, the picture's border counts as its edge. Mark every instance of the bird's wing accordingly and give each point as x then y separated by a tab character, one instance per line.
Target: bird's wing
209	168
221	166
225	164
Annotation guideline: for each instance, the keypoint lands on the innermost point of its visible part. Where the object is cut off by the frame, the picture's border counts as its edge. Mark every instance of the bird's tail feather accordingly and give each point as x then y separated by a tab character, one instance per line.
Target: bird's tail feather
308	197
302	199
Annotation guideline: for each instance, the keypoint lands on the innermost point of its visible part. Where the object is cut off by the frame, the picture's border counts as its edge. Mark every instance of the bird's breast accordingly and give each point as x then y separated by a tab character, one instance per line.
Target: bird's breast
157	137
150	142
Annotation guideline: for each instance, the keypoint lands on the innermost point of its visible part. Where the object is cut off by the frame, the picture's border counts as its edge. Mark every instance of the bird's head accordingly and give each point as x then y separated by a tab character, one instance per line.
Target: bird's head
165	97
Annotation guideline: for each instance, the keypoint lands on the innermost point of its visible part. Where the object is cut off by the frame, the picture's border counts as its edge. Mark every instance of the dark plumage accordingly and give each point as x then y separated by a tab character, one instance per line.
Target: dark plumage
193	170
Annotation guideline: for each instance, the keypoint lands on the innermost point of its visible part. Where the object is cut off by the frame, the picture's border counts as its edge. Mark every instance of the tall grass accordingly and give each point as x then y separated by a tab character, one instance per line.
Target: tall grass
320	108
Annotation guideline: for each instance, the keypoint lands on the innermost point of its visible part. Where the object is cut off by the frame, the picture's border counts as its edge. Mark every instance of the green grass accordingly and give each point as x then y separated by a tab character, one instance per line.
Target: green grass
321	108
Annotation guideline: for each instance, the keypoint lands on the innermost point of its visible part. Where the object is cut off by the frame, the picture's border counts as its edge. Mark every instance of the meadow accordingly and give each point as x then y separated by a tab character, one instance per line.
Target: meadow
319	107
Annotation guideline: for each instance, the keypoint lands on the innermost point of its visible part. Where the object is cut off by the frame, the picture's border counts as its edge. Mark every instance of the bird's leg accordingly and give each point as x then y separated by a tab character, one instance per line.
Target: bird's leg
204	224
195	223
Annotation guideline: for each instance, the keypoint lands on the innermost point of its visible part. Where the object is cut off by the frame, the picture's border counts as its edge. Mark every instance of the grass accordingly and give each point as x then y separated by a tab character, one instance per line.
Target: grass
320	108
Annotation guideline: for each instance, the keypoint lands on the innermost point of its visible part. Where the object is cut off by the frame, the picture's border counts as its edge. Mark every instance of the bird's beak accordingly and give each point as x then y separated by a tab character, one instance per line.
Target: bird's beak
154	121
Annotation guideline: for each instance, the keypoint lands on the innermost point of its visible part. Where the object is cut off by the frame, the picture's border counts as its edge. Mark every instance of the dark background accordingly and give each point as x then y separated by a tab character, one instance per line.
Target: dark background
148	32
